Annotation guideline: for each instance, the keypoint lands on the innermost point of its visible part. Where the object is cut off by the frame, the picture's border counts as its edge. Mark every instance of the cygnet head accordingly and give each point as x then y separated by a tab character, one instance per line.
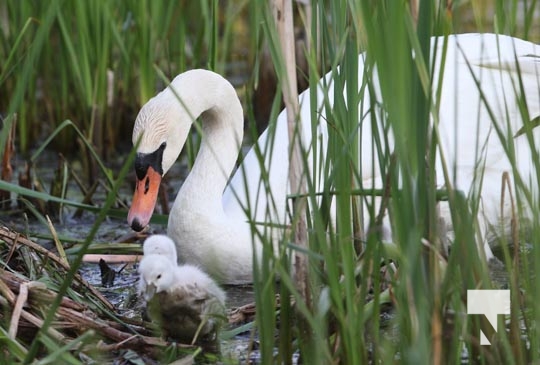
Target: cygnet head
156	275
160	244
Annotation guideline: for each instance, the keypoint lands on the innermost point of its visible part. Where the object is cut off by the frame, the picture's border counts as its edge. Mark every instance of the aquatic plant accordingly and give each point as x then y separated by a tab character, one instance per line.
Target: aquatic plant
78	71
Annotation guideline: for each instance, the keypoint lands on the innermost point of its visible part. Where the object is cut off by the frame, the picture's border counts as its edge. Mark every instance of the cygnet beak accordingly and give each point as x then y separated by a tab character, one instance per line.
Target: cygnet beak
149	292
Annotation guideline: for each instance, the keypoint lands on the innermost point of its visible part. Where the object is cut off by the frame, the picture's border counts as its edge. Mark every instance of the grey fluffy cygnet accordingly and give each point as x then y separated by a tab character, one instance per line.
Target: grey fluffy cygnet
182	299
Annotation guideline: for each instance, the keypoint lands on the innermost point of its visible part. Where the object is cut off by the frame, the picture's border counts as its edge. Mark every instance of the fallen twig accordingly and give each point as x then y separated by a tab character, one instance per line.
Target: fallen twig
14	238
111	259
19	303
10	296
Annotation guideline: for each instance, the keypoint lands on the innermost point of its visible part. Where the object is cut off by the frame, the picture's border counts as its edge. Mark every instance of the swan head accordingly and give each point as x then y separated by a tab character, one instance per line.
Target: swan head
162	127
156	275
160	244
160	132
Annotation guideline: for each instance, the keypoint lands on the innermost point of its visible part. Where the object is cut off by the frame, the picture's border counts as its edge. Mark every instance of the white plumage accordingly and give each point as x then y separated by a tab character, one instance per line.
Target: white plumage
208	220
160	244
184	301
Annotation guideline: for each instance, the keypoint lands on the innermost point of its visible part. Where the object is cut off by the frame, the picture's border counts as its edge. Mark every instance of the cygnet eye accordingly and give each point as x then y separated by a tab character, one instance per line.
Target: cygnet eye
159	276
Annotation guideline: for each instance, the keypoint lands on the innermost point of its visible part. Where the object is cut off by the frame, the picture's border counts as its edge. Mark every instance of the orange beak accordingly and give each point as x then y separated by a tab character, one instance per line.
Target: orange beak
144	200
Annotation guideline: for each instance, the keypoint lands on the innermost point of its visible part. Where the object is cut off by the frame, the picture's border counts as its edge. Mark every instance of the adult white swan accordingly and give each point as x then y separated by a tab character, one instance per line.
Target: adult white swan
207	220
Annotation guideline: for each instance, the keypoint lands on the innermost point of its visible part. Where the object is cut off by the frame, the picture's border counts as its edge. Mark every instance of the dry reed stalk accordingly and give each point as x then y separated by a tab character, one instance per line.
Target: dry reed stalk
19	303
111	259
6	172
57	243
8	294
25	296
282	10
13	239
14	282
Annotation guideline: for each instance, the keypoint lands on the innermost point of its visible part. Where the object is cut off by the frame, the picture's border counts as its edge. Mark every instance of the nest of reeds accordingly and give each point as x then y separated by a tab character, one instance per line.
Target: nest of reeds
85	321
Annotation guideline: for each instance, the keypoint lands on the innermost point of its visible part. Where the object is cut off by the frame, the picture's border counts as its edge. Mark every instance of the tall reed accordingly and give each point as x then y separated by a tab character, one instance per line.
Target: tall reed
96	62
348	292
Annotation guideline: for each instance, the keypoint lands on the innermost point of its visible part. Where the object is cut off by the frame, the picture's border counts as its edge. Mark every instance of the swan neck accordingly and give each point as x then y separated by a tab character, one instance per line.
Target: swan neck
216	102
